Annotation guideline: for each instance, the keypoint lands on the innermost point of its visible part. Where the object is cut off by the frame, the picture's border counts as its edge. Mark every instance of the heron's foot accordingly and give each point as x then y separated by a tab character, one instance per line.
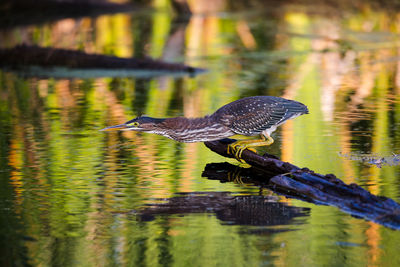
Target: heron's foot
236	149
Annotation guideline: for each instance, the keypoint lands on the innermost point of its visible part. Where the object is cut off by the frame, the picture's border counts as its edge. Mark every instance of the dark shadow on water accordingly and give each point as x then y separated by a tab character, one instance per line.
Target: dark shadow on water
228	208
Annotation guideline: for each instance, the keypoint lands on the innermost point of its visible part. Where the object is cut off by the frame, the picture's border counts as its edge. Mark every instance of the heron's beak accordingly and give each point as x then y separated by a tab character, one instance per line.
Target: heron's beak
115	127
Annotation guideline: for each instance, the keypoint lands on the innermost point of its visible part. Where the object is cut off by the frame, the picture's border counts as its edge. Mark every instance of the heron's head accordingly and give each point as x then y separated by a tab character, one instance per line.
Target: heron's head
141	124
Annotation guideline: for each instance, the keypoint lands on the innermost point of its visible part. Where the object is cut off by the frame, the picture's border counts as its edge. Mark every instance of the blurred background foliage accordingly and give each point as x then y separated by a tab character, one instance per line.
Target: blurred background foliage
69	194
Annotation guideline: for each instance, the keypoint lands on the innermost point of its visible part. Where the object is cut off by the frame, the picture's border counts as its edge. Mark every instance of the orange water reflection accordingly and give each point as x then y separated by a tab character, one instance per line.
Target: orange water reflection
76	189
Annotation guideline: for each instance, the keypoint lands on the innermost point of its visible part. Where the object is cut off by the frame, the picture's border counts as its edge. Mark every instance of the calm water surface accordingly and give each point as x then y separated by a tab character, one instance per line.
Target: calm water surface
73	196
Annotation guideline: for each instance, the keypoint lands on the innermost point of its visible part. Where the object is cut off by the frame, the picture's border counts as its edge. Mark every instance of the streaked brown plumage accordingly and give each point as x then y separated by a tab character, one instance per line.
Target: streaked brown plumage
250	116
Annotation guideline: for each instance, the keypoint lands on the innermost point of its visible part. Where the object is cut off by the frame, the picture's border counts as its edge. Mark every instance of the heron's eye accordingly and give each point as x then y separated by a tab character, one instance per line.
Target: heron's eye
135	124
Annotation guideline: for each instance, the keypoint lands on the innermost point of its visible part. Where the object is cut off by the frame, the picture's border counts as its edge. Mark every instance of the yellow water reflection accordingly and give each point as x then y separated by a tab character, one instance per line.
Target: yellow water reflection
77	191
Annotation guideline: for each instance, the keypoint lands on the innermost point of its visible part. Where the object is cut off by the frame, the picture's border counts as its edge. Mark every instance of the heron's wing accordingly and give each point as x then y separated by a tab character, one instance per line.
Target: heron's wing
255	119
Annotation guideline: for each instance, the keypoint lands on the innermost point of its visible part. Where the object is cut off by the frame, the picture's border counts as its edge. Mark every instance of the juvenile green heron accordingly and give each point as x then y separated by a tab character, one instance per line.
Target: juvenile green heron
250	116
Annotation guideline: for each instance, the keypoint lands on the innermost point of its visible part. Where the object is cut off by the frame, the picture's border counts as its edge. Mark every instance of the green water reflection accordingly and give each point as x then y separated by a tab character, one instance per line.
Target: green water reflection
74	196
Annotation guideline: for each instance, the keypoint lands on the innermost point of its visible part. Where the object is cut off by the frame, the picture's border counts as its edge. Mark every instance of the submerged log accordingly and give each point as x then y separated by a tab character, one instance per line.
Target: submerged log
305	184
23	57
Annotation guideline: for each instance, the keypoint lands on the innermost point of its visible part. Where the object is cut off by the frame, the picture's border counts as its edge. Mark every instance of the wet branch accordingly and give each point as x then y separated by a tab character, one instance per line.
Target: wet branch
292	181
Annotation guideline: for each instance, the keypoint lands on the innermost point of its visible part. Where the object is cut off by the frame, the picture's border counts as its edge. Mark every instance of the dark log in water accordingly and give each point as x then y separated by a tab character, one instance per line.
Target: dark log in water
305	184
48	57
27	12
39	60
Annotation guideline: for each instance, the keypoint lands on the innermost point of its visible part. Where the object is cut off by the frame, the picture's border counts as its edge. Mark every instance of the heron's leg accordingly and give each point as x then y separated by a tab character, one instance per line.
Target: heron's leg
267	138
239	146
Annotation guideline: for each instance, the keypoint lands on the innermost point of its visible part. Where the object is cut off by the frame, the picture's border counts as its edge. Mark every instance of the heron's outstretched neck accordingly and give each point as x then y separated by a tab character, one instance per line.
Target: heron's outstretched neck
195	129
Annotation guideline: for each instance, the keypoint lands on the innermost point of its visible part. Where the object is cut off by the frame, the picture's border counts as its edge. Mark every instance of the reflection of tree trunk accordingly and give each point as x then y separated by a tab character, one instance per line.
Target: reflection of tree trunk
366	82
245	35
141	34
174	47
181	7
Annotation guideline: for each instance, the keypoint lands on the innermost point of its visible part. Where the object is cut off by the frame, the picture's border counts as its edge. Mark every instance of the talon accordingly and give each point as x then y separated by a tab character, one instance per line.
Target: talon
236	149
